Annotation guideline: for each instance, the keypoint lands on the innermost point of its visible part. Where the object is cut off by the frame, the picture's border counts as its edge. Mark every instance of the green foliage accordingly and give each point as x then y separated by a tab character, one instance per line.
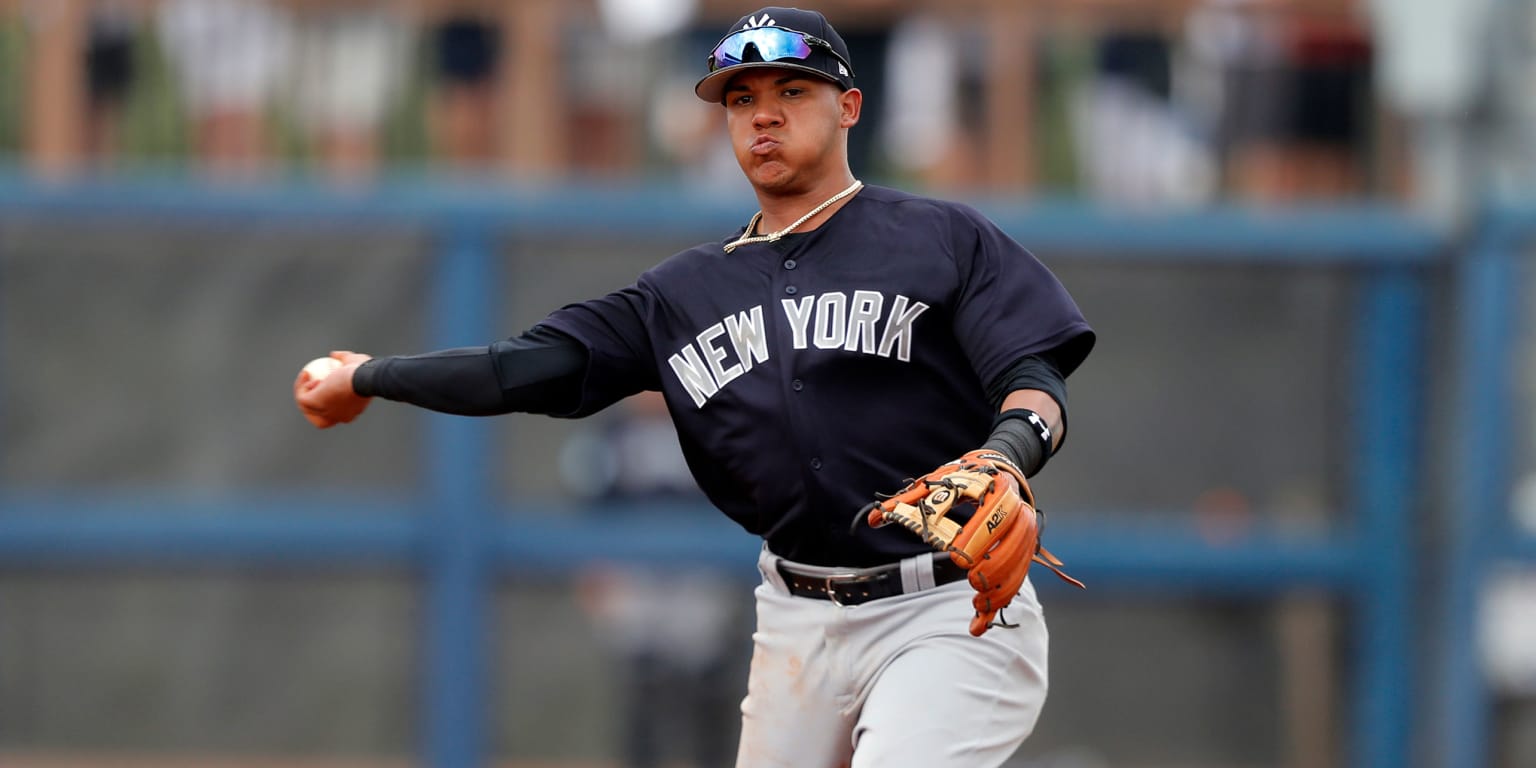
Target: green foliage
1065	62
13	61
404	140
154	120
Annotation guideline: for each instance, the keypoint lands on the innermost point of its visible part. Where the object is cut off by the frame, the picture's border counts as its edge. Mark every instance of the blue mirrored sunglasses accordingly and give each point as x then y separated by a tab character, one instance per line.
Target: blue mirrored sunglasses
772	43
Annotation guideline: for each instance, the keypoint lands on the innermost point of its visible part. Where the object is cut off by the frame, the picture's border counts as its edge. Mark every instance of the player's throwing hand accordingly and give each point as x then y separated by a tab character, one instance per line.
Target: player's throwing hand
330	400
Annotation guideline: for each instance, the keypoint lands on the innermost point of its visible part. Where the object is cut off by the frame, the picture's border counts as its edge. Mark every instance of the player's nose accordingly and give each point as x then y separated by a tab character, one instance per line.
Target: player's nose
767	114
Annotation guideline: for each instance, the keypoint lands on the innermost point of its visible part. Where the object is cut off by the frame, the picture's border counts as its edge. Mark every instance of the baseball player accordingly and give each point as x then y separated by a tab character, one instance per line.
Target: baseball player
848	338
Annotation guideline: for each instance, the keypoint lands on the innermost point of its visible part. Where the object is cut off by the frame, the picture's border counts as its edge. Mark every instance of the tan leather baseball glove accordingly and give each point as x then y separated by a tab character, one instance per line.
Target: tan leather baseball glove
999	542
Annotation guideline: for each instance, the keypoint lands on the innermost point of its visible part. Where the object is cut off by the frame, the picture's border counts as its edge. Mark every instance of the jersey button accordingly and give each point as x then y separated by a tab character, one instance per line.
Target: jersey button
789	263
797	385
816	464
791	290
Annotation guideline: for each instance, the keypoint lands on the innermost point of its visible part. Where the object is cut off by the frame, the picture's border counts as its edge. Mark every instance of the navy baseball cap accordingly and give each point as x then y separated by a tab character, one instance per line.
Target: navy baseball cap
788	38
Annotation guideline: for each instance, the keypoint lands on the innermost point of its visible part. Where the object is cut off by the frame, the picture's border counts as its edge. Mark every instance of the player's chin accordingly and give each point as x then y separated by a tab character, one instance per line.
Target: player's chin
771	176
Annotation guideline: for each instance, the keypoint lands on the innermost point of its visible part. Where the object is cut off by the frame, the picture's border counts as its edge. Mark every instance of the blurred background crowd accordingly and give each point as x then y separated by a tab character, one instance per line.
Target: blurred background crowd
1163	102
145	358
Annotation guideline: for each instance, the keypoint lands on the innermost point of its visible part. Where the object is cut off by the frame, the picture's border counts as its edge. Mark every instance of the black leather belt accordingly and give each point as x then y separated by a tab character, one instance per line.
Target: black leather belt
864	585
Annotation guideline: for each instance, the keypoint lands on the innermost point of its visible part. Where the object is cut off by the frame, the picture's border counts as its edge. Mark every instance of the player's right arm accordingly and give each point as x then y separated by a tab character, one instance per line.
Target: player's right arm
538	372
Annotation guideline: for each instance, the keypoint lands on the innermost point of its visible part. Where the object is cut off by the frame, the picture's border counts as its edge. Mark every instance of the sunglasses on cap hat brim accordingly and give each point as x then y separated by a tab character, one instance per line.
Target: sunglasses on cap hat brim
772	44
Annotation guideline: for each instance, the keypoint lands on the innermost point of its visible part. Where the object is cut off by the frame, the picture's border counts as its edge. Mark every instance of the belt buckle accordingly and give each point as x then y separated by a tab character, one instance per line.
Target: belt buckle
841	578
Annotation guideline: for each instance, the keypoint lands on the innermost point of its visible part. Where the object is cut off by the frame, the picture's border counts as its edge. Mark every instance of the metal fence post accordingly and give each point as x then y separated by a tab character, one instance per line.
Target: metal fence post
1486	291
457	519
1390	343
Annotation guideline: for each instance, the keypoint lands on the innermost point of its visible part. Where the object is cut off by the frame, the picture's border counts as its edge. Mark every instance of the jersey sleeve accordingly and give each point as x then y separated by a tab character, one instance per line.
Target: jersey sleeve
1010	304
613	330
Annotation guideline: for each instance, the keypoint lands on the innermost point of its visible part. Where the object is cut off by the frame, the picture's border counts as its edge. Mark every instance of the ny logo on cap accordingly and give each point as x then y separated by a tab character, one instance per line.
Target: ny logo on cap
754	23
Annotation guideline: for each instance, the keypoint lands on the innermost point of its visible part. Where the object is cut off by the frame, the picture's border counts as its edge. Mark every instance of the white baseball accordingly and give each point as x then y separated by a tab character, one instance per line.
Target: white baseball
321	367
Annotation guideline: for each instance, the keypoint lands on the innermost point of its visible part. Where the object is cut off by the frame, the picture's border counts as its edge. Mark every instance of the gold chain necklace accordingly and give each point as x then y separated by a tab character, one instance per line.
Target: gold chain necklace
748	238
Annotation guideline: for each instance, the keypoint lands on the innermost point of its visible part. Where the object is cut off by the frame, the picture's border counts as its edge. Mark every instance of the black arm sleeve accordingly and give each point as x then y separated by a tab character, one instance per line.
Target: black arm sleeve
1039	371
538	372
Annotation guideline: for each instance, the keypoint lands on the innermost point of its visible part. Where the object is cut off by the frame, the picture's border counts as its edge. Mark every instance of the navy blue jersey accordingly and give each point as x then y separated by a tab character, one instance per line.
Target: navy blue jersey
806	376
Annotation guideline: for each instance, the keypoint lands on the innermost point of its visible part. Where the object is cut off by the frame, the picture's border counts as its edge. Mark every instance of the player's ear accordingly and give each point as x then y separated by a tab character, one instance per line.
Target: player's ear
851	103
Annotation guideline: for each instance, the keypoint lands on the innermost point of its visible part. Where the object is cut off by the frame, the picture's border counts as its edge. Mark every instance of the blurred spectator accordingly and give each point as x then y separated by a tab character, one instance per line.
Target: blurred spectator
615	77
1135	144
1513	53
1291	107
229	56
467	53
606	87
690	135
634	23
868	40
349	68
109	76
1434	72
670	626
924	134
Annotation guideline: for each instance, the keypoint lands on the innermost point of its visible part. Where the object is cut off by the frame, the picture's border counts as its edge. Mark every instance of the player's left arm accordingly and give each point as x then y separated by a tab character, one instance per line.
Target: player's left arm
1023	335
1031	421
1002	537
